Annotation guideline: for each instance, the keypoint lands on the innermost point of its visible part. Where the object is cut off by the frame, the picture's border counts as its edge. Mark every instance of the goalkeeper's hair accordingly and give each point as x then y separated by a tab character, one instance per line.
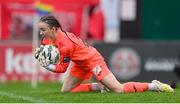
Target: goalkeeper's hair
51	21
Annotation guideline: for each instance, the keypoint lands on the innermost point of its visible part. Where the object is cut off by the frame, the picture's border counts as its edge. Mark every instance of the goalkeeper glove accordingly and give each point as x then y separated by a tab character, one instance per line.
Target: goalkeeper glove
51	67
37	51
45	62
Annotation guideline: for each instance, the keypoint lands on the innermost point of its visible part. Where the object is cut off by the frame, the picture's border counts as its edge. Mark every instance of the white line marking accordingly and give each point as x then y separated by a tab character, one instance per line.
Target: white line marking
26	98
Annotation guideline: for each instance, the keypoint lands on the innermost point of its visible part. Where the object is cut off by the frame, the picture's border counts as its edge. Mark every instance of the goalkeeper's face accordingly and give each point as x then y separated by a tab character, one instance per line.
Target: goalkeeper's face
45	31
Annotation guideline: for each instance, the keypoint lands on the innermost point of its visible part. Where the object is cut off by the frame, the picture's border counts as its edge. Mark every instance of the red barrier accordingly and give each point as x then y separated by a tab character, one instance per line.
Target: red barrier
17	64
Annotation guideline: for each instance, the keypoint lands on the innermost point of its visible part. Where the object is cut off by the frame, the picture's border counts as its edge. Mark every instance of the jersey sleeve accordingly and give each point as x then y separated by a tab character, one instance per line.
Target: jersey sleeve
61	67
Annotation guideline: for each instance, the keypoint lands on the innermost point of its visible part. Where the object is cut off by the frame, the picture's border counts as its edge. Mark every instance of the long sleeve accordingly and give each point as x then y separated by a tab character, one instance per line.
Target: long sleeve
61	67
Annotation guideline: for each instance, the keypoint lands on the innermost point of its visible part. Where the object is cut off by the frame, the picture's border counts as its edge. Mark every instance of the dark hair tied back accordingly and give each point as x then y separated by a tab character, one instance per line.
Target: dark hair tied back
51	21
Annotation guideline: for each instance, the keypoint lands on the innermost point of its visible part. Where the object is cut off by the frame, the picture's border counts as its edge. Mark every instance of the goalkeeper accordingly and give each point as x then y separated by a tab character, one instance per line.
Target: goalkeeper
87	62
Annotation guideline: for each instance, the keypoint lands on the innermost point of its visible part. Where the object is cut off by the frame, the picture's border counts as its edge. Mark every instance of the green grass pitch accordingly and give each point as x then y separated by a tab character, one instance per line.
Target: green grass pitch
50	93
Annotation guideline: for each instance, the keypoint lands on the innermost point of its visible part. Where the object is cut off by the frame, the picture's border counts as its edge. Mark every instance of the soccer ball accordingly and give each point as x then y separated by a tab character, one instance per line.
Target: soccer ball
51	52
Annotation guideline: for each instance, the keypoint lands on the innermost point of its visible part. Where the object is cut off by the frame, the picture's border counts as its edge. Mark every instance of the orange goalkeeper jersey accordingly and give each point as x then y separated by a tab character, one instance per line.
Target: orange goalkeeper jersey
74	49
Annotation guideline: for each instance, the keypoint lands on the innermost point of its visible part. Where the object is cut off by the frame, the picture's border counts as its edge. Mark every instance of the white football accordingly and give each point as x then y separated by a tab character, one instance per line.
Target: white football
51	52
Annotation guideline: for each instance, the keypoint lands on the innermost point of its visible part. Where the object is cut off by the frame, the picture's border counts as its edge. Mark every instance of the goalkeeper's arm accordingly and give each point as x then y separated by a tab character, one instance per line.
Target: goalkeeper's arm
61	67
63	64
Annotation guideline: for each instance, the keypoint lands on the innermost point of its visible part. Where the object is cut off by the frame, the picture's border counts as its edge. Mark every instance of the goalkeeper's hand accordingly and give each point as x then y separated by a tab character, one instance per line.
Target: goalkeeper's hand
38	51
45	62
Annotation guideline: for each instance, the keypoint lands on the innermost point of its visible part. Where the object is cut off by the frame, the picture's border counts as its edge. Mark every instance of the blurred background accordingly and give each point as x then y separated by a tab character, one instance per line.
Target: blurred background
139	39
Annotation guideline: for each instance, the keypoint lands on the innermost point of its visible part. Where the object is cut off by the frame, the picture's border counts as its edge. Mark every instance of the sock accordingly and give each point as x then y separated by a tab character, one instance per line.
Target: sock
95	86
86	87
152	87
135	87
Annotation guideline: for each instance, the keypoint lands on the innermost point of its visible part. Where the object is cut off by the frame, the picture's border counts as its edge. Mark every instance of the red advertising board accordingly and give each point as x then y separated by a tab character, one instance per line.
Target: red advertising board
18	64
